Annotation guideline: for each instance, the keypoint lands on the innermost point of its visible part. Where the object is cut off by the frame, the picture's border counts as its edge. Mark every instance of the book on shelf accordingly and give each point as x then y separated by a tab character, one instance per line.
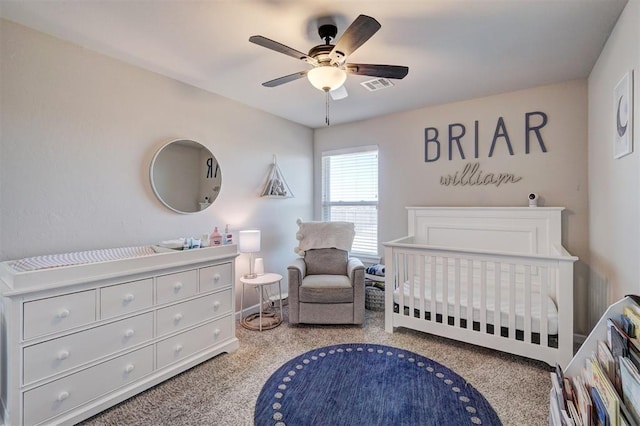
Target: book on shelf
633	315
583	400
619	345
601	417
558	391
635	359
606	359
604	385
598	380
630	388
572	410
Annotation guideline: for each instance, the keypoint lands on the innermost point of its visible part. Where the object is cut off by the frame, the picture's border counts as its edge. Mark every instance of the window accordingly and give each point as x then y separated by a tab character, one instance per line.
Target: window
350	194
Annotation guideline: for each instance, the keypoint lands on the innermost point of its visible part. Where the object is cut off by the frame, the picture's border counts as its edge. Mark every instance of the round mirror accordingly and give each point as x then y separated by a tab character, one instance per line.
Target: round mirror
185	176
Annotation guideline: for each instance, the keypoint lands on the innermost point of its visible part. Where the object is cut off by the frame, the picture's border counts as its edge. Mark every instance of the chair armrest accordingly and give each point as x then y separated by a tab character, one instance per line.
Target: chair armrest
353	267
297	270
298	266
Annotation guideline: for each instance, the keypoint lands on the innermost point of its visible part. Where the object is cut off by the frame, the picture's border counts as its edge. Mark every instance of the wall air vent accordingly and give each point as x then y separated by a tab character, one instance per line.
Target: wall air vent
377	84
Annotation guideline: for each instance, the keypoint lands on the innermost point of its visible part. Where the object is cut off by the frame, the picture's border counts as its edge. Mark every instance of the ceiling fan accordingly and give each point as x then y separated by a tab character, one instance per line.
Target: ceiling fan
329	64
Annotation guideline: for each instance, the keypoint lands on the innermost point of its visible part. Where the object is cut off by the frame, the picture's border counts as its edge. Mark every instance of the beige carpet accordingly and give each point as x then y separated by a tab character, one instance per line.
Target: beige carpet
223	391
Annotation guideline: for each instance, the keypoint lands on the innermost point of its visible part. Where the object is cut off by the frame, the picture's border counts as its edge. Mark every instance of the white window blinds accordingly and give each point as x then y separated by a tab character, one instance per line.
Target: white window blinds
350	194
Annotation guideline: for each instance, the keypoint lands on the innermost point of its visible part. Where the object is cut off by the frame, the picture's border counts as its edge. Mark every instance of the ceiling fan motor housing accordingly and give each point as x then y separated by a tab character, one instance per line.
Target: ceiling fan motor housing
321	53
327	32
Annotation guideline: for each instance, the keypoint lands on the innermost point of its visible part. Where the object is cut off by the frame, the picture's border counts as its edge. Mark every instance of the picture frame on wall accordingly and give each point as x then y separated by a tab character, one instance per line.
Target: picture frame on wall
623	108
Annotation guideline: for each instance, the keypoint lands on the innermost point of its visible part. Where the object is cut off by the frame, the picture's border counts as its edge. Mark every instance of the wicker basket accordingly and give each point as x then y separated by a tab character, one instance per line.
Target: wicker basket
373	298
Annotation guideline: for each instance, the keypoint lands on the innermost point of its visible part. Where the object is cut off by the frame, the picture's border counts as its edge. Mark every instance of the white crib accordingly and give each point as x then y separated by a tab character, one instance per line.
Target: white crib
496	277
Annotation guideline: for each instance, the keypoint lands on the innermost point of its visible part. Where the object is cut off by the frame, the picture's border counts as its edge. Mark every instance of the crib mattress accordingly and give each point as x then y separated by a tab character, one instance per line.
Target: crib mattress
552	310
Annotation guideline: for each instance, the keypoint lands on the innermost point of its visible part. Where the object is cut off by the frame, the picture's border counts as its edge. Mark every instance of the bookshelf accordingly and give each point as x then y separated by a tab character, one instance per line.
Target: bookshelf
586	351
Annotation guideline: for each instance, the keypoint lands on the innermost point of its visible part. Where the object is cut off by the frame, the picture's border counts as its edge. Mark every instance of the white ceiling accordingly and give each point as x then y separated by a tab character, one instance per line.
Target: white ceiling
455	49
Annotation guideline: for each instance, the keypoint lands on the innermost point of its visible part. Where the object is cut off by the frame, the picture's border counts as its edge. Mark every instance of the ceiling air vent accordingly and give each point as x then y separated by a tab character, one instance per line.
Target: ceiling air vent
377	84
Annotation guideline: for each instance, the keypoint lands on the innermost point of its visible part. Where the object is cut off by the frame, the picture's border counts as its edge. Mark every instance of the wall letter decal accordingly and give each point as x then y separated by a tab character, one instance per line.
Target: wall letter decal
456	138
501	131
209	168
535	129
476	146
428	140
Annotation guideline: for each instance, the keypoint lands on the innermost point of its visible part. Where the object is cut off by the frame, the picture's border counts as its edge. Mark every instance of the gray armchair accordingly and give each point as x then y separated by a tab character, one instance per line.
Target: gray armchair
326	287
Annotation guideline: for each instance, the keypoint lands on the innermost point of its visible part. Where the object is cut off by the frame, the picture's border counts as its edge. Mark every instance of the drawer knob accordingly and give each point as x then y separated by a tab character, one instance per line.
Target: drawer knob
177	317
178	348
63	355
216	277
129	368
129	333
129	297
216	305
177	286
63	313
216	332
63	395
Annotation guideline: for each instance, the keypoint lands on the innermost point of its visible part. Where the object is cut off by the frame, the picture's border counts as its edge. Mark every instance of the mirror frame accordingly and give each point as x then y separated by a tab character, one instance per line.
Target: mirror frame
155	188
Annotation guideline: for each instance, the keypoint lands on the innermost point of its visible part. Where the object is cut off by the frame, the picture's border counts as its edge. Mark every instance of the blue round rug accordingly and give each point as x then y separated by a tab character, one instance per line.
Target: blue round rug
364	384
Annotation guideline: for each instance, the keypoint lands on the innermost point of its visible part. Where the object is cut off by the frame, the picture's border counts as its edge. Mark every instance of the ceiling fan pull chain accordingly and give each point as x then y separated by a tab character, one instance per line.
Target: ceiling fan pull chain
326	120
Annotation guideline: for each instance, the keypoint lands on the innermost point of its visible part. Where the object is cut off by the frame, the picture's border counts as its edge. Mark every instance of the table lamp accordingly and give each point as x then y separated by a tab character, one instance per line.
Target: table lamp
249	242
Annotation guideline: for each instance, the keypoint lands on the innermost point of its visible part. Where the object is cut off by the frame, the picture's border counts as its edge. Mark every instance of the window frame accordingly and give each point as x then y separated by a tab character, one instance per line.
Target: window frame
325	204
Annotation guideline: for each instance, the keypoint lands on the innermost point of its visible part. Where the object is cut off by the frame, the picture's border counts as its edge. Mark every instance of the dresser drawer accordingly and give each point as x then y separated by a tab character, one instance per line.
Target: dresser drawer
57	355
176	317
214	277
176	286
59	313
192	341
125	298
62	395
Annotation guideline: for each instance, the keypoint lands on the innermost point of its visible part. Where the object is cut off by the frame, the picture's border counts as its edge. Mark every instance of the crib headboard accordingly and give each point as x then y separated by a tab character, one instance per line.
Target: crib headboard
521	230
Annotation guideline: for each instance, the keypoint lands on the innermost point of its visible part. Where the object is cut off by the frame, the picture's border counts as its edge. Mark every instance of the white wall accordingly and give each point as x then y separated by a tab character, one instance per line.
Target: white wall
559	176
614	184
79	131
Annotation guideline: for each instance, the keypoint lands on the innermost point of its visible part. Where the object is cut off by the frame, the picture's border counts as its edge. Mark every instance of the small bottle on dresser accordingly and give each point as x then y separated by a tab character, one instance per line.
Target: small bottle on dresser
216	238
228	236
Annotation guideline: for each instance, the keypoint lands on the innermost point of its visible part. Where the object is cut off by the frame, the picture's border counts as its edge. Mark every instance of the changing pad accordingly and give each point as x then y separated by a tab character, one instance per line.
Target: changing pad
78	258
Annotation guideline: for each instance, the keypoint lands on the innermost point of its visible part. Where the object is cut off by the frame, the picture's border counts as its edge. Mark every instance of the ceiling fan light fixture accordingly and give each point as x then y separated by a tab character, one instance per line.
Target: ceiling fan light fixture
327	78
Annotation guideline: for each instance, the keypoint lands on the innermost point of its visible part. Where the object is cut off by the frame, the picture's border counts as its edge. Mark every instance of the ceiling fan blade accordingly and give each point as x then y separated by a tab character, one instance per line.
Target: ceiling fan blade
286	79
281	48
355	36
386	71
339	93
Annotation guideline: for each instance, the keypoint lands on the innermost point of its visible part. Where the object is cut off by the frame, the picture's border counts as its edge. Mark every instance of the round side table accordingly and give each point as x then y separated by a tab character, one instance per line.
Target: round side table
260	282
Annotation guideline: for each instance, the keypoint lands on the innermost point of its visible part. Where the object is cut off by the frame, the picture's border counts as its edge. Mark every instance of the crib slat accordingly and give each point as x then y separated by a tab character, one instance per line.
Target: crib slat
445	290
423	280
433	285
512	301
470	294
456	311
527	303
412	282
402	267
544	325
497	304
483	296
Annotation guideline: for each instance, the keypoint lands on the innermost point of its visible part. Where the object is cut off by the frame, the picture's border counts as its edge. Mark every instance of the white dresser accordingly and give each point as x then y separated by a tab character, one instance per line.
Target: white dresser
79	339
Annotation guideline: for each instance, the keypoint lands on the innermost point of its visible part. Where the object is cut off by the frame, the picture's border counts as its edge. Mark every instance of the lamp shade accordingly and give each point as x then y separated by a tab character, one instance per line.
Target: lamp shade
249	241
326	78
